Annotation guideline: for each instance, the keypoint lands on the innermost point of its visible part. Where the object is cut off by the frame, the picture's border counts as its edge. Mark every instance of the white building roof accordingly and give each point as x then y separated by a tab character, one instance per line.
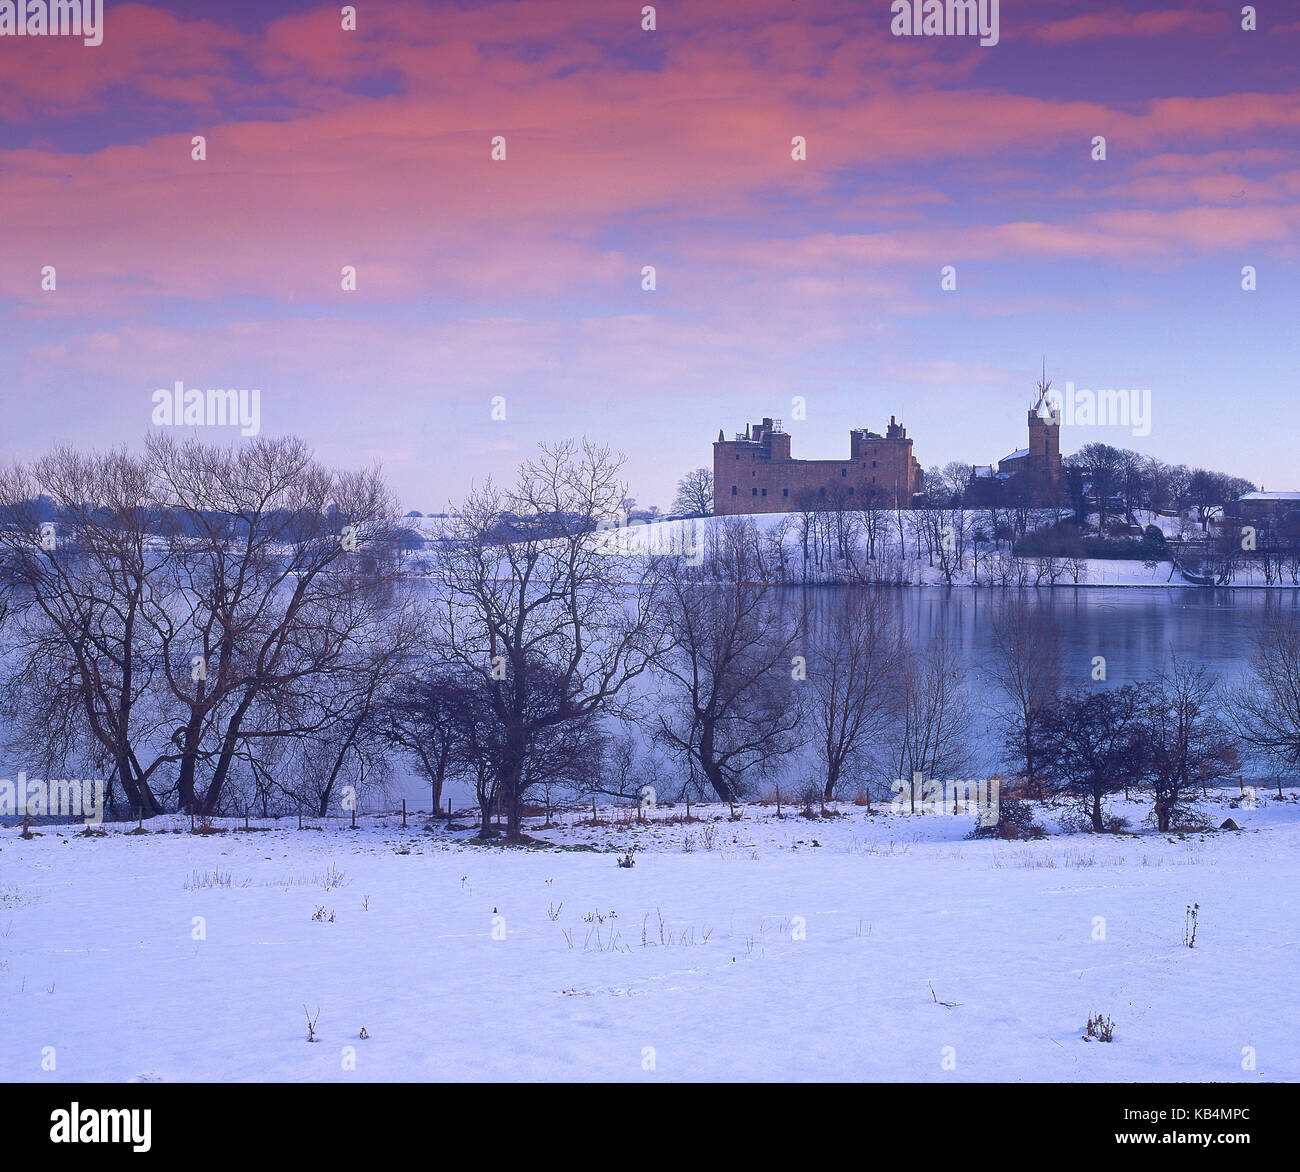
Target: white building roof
1270	496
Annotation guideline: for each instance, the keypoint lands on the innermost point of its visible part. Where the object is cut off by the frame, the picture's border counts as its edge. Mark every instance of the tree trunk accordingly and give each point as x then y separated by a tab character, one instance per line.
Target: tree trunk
208	804
511	792
710	767
832	781
515	818
189	763
138	794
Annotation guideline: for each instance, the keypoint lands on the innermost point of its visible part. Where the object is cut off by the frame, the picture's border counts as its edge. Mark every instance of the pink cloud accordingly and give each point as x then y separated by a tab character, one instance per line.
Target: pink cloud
1116	22
406	189
403	186
156	56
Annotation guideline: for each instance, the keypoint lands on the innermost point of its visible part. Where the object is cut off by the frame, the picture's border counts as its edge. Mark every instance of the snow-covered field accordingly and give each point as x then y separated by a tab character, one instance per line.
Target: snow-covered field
865	946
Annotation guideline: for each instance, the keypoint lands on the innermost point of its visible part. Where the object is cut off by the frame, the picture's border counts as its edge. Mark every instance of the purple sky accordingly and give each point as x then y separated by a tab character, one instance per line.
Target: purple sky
626	148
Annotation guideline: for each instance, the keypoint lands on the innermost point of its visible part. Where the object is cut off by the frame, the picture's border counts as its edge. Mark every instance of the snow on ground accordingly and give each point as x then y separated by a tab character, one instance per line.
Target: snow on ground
1110	572
684	537
1117	572
743	950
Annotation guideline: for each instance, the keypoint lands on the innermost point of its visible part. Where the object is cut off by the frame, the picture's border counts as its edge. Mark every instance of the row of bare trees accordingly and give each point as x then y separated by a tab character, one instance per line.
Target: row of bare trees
1174	734
1266	547
845	539
751	674
543	639
1106	481
214	628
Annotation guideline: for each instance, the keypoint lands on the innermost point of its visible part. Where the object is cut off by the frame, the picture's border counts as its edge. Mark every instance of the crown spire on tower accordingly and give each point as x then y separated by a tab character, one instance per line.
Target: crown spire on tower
1042	408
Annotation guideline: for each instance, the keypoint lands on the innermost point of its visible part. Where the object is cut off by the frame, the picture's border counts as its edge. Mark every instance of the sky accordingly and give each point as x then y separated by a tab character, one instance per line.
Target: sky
808	289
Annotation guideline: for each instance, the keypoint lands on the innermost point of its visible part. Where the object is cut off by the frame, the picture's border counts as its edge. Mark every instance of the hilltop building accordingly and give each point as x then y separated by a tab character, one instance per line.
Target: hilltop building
755	472
1265	506
1030	474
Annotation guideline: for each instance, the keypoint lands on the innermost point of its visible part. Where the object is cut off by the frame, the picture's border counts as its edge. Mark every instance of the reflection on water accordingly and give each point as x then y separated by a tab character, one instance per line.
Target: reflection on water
1134	629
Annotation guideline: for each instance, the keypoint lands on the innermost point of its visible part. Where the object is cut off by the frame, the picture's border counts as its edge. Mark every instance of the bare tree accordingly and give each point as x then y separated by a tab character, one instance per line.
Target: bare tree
946	487
1184	746
873	520
1100	465
79	571
729	706
279	570
524	588
1025	668
775	541
843	522
695	494
1090	746
1265	706
347	743
421	714
809	525
565	754
1133	479
931	735
853	675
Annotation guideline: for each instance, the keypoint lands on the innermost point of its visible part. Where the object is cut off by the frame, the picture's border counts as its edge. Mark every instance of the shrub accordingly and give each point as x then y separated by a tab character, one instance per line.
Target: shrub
1100	1028
1015	820
1065	542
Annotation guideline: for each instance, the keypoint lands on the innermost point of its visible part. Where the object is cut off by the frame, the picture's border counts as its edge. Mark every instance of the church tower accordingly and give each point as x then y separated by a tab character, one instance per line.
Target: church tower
1044	436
